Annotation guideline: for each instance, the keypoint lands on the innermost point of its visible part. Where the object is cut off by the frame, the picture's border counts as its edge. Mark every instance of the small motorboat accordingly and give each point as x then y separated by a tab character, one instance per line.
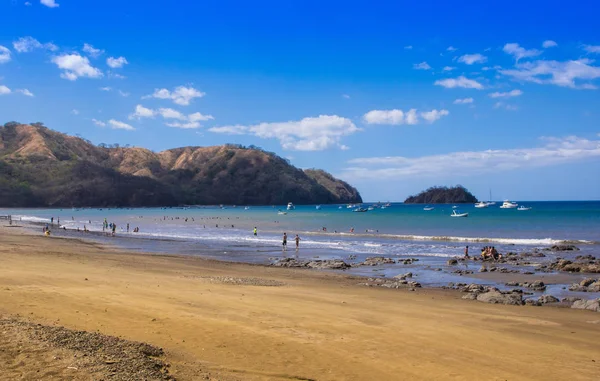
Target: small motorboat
481	204
339	207
523	208
281	212
508	205
371	208
428	208
459	214
360	210
318	207
246	208
290	206
454	207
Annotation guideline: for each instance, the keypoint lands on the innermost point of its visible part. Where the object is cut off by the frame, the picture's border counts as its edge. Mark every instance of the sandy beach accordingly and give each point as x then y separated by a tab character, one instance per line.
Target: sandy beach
231	321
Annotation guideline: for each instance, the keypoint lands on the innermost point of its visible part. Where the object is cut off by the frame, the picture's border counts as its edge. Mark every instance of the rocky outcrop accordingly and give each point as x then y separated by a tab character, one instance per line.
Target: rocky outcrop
375	261
495	296
592	305
578	266
330	264
537	285
562	247
586	285
443	195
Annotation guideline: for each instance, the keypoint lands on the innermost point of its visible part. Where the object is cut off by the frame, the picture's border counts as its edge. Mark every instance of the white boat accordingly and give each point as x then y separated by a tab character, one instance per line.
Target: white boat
290	206
371	208
508	205
481	204
457	214
246	208
360	210
350	206
523	208
387	205
318	207
282	213
428	208
454	207
340	207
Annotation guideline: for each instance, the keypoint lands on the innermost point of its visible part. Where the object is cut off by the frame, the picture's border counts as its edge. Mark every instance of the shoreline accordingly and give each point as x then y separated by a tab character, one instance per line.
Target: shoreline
252	322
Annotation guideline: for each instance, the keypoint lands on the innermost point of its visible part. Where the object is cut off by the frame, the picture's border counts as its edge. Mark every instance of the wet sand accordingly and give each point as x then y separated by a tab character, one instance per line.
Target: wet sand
230	321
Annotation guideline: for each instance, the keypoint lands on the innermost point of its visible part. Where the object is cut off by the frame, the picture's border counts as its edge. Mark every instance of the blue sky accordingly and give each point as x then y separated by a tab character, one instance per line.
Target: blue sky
391	96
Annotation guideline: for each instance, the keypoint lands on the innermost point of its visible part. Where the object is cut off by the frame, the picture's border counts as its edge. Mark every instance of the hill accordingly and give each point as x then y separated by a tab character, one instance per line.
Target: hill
443	195
42	167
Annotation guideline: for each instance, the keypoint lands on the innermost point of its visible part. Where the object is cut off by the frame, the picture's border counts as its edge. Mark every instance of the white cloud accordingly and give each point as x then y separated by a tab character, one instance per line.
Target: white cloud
433	115
463	101
28	44
181	95
115	75
116	63
75	111
123	93
107	88
117	125
309	134
187	121
25	92
556	151
75	66
512	93
397	117
4	54
549	44
519	52
592	48
422	66
345	96
197	117
4	90
93	52
470	59
408	47
27	4
563	74
50	3
98	123
142	112
448	68
187	125
451	49
169	113
461	81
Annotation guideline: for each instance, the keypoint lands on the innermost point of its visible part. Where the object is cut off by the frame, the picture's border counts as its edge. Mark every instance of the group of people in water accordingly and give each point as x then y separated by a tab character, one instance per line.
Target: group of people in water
487	253
111	227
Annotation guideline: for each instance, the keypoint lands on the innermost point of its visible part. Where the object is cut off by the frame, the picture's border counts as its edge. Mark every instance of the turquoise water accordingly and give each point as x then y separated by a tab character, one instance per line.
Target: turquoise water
399	231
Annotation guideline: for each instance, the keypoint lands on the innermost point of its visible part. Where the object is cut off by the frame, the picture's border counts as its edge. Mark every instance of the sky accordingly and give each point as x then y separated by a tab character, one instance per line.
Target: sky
393	97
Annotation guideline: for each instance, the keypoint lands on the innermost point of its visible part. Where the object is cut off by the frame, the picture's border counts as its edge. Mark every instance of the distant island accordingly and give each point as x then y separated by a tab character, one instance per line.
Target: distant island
443	195
40	167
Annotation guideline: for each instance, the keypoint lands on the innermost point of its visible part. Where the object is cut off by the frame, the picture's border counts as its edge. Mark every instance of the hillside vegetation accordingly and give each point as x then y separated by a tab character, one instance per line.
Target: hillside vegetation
42	167
443	195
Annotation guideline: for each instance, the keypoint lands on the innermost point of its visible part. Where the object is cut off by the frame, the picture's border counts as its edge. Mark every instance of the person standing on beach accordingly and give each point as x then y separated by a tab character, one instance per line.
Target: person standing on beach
467	252
114	228
128	227
284	241
255	231
51	220
297	242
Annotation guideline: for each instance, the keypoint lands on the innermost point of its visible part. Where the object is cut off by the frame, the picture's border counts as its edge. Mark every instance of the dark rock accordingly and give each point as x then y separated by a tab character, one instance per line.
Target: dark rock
532	302
562	248
546	299
483	269
374	261
496	297
452	262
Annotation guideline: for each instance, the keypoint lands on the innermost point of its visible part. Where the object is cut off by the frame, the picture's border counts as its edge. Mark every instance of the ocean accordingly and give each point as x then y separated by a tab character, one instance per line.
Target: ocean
334	231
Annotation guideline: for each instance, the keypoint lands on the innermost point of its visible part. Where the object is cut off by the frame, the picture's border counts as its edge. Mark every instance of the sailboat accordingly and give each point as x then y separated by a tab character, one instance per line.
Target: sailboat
490	202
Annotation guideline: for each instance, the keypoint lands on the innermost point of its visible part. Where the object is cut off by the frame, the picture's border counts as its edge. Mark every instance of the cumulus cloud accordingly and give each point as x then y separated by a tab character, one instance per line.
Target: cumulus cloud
25	92
91	51
186	121
451	49
106	88
549	44
448	68
28	44
399	117
461	81
565	74
49	3
555	151
116	63
75	112
505	106
123	93
471	59
422	66
345	96
4	90
408	47
75	66
463	101
508	94
519	52
592	49
181	95
117	125
4	54
308	134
